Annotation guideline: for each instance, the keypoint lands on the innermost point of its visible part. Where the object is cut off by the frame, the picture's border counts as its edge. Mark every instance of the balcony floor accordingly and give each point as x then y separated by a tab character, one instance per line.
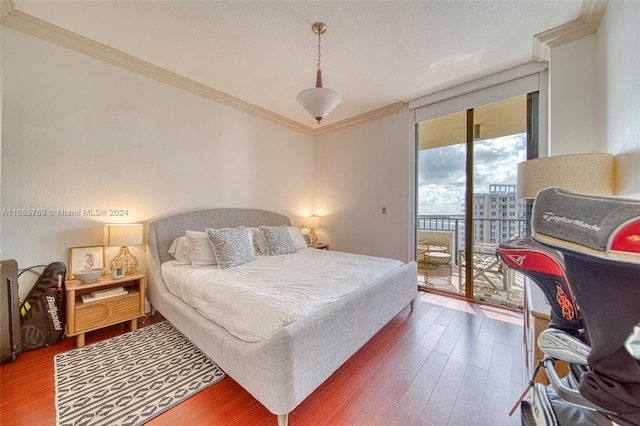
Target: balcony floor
482	290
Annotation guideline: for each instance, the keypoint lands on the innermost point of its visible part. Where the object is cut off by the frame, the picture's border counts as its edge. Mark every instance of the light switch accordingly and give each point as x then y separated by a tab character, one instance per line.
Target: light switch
384	210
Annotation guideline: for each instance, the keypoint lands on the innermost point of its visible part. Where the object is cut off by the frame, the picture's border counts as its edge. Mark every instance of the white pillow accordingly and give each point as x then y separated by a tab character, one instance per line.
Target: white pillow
296	236
259	242
180	250
232	246
201	249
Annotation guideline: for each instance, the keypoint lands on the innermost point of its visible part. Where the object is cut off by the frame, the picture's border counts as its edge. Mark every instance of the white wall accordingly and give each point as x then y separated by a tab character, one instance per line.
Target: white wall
619	59
575	121
82	134
359	171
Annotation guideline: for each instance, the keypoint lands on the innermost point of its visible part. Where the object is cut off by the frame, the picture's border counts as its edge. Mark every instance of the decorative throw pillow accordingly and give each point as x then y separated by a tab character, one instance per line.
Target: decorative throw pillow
201	249
278	240
180	250
232	246
259	243
296	237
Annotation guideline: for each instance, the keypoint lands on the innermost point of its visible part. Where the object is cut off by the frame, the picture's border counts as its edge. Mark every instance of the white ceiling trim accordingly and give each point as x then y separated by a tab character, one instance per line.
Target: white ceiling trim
592	12
31	25
362	118
6	7
587	23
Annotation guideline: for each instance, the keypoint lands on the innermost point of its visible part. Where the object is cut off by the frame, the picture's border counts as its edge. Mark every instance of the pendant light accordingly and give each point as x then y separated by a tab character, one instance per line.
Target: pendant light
319	101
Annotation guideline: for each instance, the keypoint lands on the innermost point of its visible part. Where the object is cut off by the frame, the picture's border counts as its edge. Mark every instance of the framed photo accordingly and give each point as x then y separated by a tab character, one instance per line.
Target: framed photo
85	257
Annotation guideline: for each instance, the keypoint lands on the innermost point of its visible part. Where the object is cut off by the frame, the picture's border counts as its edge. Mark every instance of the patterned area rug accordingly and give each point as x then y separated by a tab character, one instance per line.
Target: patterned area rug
131	378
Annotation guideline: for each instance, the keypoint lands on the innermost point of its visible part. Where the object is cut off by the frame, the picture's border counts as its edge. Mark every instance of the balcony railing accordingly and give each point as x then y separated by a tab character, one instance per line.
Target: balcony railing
486	230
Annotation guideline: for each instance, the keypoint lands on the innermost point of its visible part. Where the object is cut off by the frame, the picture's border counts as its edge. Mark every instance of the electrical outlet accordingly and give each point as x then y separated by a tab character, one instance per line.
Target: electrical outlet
384	210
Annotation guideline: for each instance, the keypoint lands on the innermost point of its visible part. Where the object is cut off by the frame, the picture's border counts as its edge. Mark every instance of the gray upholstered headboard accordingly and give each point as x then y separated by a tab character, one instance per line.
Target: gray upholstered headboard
162	232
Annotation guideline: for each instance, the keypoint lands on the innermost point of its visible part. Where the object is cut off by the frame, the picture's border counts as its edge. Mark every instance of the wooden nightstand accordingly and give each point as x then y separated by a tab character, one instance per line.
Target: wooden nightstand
87	316
321	246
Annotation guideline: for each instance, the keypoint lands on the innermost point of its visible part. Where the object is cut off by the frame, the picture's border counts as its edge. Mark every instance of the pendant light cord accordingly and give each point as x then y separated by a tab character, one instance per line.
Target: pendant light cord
319	52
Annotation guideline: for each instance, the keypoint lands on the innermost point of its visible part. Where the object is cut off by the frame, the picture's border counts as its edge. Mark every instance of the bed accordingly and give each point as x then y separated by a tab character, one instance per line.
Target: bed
283	368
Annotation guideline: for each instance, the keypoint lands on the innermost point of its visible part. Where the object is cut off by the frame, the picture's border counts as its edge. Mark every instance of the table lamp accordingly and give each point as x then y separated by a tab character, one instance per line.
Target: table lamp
312	222
123	235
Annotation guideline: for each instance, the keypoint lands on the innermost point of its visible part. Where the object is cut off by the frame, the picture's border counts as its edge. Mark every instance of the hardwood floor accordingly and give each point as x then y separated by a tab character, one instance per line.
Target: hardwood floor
449	362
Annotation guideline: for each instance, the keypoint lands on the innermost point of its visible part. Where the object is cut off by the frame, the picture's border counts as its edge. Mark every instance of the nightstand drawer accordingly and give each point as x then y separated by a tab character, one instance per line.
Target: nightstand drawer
92	315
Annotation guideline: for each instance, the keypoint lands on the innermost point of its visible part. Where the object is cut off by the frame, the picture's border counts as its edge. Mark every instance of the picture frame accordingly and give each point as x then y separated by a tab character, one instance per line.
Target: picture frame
85	257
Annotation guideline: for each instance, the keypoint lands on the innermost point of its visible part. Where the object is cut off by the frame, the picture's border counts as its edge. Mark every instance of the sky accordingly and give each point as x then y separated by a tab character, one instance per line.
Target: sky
441	172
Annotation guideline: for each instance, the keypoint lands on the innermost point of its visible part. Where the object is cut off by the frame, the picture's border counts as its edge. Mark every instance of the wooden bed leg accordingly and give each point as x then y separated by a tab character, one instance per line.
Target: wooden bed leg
283	419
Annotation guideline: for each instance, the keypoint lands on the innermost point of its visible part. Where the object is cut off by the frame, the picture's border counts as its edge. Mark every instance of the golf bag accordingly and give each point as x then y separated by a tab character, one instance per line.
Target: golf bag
585	256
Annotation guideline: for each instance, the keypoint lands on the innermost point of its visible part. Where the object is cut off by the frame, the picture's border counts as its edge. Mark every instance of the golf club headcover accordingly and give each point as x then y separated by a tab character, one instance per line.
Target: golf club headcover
546	268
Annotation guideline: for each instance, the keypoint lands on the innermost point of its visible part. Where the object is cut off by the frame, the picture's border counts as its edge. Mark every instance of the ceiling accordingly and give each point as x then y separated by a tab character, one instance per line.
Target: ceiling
374	54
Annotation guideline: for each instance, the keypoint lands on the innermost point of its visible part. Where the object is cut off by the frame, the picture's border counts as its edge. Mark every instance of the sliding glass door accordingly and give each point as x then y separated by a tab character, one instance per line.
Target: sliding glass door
466	197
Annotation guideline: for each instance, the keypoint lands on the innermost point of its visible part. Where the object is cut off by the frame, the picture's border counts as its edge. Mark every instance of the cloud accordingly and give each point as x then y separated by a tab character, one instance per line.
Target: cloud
442	176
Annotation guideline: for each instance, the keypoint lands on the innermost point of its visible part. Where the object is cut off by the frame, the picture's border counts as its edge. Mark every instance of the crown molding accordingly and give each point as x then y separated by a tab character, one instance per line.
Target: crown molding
362	118
31	25
592	12
587	23
7	7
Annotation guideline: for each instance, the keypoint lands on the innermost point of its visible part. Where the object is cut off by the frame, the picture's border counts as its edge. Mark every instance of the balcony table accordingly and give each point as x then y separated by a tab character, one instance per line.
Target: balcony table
423	249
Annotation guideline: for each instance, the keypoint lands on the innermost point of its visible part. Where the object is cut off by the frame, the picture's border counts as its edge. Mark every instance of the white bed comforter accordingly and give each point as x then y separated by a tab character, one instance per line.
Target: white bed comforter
255	300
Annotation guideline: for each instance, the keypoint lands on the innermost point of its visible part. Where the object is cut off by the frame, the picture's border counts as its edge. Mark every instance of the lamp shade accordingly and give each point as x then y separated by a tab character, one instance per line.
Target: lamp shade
123	235
582	173
312	222
319	101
